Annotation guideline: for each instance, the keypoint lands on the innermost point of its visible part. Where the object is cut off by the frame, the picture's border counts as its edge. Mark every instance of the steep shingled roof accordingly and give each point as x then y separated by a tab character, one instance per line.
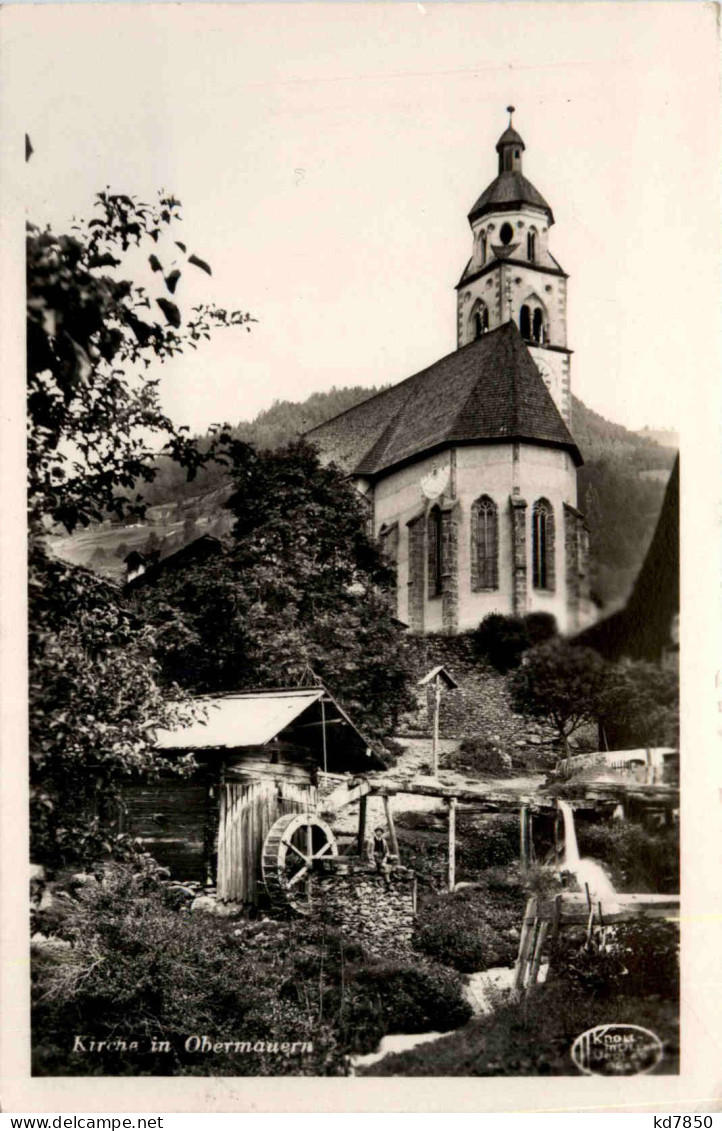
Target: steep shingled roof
509	190
489	391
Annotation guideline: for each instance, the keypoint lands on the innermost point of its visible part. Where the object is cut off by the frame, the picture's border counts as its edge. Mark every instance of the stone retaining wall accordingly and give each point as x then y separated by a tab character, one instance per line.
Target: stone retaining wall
479	708
361	904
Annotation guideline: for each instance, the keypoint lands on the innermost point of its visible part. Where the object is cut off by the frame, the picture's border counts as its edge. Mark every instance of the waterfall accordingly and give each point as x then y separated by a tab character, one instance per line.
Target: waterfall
587	871
571	848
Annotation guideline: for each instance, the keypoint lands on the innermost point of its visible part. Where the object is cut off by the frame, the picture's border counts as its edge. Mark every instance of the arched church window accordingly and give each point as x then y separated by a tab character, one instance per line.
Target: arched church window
542	545
435	552
531	246
479	319
506	234
482	248
537	329
484	544
525	322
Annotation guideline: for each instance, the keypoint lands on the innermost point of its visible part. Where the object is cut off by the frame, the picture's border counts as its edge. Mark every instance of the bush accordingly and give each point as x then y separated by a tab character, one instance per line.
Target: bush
475	928
640	959
501	640
540	627
479	756
137	970
388	997
639	859
489	841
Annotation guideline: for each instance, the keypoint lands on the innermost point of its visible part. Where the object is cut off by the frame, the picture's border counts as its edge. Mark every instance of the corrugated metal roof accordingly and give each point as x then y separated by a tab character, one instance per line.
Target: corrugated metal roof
240	720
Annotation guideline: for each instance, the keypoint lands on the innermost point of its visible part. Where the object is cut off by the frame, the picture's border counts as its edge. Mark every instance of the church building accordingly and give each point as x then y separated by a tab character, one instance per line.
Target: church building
469	468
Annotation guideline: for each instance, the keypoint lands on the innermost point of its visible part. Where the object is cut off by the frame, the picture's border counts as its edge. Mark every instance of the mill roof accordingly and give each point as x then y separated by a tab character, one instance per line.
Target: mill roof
250	719
489	391
511	189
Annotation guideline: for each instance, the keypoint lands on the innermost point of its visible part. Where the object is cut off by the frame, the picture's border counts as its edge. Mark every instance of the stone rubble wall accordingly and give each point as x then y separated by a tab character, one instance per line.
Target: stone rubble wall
479	708
361	904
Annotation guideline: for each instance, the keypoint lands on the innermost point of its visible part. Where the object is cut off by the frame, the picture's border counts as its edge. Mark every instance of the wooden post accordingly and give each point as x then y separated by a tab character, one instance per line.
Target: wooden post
323	733
361	826
435	740
557	916
392	829
527	930
523	846
452	843
537	953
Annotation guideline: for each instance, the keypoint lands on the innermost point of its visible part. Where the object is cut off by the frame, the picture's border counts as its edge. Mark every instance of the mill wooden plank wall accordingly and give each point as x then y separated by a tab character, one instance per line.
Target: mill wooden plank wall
169	818
247	811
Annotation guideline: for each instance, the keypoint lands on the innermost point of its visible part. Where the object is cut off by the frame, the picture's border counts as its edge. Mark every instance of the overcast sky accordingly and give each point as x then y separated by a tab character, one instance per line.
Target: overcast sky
327	157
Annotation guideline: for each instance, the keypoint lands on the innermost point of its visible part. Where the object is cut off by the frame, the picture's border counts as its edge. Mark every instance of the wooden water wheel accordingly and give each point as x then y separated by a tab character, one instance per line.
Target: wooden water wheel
296	845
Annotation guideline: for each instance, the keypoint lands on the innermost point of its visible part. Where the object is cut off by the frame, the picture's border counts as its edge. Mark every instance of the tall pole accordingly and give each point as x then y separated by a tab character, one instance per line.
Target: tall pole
361	836
435	740
323	732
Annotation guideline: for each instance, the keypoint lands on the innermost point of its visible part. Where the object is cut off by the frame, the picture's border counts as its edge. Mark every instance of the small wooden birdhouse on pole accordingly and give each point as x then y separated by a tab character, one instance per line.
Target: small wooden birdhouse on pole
437	677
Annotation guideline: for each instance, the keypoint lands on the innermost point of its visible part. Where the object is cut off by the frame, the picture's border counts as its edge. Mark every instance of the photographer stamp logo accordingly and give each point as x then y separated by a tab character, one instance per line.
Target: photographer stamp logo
617	1050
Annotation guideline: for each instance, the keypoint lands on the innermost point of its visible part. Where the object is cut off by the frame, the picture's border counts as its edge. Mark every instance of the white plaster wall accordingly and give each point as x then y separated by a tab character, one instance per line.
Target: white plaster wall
521	222
397	498
484	470
550	474
487	469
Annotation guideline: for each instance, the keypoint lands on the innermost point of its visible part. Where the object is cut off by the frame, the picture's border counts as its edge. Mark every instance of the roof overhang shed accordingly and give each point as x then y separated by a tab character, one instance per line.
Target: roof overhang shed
308	719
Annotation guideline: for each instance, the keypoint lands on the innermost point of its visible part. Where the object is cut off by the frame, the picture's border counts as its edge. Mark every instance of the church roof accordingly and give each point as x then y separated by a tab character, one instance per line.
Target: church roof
489	391
509	190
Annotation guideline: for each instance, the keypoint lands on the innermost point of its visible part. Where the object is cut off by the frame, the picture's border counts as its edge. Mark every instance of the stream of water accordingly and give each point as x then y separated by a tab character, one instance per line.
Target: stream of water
587	871
483	988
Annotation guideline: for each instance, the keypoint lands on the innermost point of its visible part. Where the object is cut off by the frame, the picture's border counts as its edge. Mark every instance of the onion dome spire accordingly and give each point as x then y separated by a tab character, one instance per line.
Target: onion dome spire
510	147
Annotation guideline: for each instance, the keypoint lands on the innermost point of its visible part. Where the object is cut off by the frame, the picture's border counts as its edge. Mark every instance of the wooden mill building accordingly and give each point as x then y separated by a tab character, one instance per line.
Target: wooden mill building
258	756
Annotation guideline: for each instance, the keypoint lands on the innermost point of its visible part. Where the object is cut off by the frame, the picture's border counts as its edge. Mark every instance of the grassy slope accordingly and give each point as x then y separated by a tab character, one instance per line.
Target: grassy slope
533	1038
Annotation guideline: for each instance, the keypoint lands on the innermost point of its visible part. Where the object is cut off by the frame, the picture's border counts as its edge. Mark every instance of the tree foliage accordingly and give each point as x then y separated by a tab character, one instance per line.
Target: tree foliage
564	685
93	698
94	423
94	417
641	705
569	686
298	588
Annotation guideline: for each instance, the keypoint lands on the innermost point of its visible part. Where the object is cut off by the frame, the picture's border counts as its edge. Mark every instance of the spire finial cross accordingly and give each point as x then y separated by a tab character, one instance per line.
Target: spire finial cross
510	110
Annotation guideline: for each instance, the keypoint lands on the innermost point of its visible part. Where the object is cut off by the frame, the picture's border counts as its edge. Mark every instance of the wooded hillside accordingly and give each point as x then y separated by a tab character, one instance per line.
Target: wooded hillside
621	487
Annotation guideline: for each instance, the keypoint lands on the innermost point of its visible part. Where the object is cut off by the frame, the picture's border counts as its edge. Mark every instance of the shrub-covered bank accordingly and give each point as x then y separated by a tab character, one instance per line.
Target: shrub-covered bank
534	1038
126	968
633	980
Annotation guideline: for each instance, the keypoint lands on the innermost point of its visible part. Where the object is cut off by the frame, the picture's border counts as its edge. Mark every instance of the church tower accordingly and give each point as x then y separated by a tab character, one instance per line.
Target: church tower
468	468
512	275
